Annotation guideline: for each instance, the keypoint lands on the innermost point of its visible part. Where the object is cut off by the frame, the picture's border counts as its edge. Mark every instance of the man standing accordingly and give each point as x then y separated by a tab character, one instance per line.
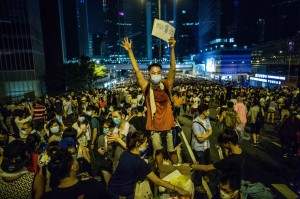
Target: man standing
160	117
200	143
39	115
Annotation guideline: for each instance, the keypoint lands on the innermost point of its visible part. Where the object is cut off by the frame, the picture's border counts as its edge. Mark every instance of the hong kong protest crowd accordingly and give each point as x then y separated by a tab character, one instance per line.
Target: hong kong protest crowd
114	143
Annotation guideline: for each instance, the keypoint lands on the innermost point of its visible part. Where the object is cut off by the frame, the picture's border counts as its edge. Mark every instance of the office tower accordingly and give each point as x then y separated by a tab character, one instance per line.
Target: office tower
22	64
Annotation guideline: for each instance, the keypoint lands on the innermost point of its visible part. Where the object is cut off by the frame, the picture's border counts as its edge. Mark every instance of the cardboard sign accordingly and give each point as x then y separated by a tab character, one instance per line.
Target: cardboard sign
162	30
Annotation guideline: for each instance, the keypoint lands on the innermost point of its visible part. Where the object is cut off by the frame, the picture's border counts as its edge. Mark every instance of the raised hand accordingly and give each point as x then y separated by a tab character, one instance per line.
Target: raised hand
126	43
172	42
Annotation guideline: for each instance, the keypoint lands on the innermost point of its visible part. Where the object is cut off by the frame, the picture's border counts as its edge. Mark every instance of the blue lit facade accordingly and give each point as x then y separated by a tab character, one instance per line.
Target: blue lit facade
224	62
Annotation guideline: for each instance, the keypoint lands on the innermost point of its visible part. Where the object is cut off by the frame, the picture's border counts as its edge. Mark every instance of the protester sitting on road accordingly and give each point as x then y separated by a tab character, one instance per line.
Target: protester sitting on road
160	117
234	157
65	168
132	168
15	180
229	186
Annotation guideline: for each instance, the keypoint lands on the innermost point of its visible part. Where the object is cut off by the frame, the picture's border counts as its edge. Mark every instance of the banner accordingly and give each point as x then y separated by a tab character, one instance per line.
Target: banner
162	30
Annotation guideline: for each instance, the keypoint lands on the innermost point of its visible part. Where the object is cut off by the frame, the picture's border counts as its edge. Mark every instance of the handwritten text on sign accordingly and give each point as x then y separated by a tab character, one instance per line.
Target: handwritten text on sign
162	30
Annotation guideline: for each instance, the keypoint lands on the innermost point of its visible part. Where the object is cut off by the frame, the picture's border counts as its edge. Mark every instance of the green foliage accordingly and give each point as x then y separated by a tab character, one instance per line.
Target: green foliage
83	75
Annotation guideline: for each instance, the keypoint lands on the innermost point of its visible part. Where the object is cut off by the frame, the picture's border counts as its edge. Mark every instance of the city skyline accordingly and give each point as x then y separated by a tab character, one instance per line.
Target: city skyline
58	31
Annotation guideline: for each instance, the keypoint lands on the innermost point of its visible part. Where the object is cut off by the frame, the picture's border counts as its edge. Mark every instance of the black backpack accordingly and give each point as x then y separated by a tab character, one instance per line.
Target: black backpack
260	120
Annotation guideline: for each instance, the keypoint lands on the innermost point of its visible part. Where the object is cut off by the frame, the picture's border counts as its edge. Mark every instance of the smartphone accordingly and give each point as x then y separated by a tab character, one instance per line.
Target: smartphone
59	119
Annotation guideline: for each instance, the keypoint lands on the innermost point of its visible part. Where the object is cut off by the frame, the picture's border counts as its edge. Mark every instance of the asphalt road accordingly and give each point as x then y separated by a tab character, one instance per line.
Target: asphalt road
264	163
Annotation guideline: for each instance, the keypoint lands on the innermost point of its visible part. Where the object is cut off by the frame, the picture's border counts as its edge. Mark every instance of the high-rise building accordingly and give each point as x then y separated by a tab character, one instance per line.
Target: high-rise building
76	27
22	63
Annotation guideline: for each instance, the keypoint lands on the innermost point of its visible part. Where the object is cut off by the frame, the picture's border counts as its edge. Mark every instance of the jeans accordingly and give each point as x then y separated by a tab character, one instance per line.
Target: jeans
203	157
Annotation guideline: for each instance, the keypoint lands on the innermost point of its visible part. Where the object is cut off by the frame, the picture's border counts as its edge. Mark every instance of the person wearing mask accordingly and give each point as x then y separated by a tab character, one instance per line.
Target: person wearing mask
160	119
132	168
118	136
65	168
200	144
229	187
104	158
91	112
83	130
27	129
55	130
15	180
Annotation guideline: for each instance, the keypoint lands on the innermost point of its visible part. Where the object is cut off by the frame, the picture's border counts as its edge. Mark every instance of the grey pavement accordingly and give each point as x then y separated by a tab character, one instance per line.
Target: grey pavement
264	163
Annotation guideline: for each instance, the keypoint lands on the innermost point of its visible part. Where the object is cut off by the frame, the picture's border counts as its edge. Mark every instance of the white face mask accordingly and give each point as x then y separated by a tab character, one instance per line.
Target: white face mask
54	129
81	119
155	79
224	195
23	134
89	113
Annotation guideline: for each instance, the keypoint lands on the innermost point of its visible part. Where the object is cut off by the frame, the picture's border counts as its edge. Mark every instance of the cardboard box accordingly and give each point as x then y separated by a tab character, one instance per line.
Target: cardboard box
176	171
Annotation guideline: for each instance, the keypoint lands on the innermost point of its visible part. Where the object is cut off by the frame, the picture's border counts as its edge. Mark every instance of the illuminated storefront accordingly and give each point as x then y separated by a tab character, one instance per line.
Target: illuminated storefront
263	80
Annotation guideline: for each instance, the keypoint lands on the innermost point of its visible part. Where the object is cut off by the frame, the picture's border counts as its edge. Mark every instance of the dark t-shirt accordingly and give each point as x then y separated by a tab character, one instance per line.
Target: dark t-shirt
131	169
139	123
95	124
233	163
87	189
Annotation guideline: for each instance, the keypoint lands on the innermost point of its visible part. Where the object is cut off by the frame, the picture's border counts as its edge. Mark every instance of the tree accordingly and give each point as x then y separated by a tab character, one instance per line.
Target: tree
83	75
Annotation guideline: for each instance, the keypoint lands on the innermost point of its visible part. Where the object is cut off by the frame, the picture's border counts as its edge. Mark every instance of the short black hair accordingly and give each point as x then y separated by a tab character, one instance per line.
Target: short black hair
140	108
230	104
228	135
60	164
232	179
154	65
202	107
135	137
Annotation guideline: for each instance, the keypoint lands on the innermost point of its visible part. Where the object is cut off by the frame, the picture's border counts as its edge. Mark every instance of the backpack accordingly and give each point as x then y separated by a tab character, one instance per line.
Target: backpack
255	190
260	118
230	119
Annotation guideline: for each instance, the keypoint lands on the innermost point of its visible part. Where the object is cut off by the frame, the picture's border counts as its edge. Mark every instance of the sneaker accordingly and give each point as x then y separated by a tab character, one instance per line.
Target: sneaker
254	144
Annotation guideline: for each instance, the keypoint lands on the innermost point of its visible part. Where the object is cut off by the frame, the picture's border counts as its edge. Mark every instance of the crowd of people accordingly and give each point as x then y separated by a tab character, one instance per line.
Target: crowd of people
93	144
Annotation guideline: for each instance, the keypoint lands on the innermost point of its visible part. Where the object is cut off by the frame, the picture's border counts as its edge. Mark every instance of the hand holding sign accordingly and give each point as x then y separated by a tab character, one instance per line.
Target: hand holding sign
162	30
